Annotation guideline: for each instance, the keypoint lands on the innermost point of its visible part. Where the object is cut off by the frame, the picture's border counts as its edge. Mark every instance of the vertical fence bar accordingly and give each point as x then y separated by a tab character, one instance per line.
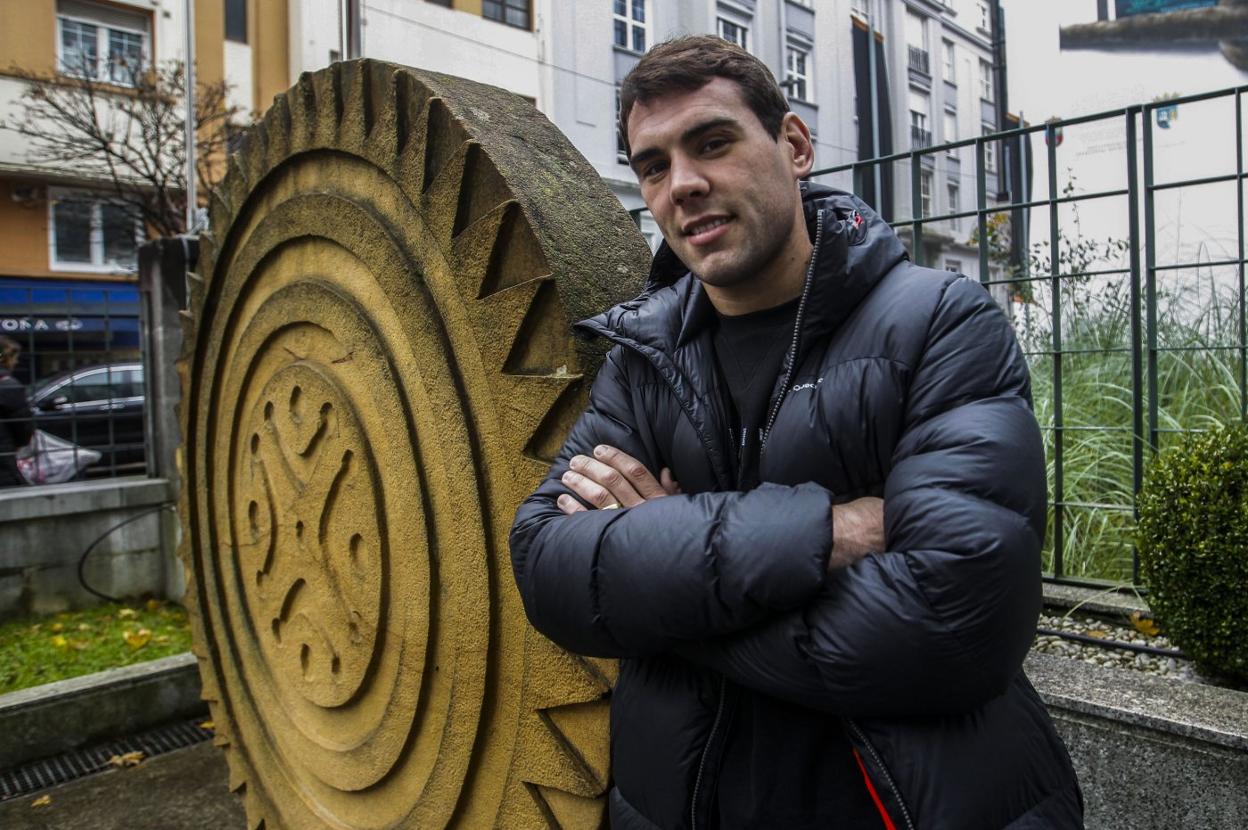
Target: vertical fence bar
916	209
981	207
1150	275
1137	363
108	377
1239	230
1055	270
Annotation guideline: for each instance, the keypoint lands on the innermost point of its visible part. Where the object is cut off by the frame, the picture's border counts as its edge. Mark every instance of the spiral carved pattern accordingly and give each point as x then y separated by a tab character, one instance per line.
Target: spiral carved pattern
378	367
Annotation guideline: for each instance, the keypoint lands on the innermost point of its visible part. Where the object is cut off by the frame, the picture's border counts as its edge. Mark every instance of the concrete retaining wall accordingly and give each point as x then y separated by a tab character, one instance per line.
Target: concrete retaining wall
1151	752
44	531
57	717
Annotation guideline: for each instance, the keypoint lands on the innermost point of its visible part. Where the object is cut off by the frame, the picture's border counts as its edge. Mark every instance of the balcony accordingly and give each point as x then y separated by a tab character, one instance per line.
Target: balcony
920	61
920	139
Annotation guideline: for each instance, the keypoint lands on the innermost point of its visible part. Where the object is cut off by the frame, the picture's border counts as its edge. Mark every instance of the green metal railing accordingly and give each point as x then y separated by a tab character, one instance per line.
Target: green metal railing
1188	355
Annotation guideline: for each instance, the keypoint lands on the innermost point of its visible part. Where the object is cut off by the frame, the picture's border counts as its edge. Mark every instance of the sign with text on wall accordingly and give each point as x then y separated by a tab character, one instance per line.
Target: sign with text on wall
1129	8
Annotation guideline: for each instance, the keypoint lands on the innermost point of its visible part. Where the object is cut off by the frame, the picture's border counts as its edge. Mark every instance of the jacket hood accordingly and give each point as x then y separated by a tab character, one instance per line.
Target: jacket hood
855	248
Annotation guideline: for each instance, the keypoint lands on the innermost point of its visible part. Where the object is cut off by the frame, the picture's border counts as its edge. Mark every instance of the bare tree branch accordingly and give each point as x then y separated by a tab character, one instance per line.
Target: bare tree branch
130	137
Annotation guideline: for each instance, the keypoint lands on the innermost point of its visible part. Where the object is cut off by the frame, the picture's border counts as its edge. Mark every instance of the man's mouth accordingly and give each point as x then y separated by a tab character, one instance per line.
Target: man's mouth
701	231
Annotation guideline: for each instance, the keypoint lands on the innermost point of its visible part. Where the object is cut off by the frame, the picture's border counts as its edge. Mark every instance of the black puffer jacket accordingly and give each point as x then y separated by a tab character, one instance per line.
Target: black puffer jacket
741	656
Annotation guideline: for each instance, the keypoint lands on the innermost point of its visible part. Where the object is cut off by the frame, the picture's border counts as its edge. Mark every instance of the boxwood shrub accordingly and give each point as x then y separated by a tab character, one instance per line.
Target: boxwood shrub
1193	544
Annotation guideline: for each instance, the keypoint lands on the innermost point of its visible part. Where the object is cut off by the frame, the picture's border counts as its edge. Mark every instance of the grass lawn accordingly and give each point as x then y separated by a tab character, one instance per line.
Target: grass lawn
41	650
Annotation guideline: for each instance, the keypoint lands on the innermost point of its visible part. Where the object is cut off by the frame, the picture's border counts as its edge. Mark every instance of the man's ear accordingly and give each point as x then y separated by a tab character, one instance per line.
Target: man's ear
796	136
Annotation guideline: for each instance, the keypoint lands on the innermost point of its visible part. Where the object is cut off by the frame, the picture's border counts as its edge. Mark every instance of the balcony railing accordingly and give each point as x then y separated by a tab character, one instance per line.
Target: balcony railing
920	61
919	137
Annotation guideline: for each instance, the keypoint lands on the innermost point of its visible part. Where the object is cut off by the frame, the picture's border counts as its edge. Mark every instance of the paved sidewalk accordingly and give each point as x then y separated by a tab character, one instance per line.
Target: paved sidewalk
180	790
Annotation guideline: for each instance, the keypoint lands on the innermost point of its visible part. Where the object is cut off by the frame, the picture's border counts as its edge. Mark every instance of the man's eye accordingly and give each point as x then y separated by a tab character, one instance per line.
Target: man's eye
711	145
652	170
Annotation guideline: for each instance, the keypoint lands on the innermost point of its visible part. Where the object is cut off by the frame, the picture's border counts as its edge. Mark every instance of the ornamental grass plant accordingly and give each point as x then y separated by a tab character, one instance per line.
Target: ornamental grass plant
1198	386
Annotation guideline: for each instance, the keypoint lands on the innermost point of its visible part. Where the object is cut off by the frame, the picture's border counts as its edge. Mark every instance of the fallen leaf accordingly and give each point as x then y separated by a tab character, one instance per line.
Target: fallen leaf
127	613
136	639
60	642
1098	634
79	645
56	628
42	801
129	759
153	605
83	627
1145	625
209	725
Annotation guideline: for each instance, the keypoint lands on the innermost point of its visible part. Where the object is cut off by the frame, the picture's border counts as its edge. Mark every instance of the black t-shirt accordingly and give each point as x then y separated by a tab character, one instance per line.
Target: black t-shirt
750	351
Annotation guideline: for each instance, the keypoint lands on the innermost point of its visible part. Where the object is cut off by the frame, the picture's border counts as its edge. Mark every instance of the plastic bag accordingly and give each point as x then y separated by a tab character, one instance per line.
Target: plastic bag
51	460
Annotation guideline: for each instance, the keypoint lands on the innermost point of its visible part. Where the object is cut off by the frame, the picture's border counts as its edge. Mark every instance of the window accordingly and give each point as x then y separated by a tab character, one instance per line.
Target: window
621	150
102	44
985	15
92	234
990	152
737	33
512	12
951	131
920	132
916	43
954	265
236	20
950	70
925	192
797	73
101	385
955	204
985	82
630	24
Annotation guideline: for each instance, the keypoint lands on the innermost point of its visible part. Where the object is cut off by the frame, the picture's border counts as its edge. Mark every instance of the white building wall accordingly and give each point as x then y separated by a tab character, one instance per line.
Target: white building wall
1193	223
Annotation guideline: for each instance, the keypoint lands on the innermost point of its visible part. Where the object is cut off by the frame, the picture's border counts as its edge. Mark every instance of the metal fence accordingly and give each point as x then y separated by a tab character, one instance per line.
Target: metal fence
1123	272
81	365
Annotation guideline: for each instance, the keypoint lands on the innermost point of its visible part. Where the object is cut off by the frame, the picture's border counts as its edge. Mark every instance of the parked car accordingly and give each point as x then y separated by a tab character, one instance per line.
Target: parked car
98	407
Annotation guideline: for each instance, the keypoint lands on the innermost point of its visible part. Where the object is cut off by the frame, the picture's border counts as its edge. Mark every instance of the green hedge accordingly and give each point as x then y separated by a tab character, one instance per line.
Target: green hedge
1193	544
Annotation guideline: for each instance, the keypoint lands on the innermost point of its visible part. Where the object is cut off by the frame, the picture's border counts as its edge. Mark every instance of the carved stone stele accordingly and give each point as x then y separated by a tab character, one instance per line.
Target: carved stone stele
378	368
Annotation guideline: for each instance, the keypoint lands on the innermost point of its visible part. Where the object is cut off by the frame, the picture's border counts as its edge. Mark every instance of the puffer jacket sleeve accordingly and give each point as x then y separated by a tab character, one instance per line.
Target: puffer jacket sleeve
942	620
631	582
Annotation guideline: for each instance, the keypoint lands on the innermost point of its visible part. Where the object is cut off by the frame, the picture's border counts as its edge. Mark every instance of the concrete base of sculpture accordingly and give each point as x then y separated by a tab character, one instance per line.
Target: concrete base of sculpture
378	368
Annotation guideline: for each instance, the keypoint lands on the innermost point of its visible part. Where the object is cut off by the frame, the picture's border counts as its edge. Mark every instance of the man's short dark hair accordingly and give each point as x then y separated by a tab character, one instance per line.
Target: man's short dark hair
9	346
684	64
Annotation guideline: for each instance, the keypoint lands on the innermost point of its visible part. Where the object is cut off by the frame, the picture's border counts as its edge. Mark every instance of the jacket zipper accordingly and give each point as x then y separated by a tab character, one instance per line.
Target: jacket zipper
888	778
797	331
706	749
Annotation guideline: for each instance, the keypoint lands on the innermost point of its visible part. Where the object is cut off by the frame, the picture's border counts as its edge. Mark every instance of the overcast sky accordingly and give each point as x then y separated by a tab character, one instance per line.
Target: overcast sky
1046	82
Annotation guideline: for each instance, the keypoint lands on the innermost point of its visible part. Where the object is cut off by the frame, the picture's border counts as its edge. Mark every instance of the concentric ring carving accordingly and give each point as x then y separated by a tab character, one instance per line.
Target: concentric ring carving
377	369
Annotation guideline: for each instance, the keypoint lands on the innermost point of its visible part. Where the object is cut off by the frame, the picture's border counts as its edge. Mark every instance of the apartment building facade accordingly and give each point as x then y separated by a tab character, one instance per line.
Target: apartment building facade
68	254
936	59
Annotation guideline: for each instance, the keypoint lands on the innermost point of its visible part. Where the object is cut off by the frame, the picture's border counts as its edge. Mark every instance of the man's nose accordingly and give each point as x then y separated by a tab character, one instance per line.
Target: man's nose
687	181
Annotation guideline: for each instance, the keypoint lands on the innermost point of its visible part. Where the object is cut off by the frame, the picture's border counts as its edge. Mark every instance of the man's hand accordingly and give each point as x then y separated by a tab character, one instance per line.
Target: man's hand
612	479
857	529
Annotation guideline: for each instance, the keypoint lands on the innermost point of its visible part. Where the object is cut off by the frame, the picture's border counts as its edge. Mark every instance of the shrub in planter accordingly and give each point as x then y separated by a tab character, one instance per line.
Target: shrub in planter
1193	544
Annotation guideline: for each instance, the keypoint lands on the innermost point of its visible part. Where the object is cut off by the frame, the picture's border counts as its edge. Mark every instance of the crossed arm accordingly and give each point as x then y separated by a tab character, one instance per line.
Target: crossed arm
774	587
611	478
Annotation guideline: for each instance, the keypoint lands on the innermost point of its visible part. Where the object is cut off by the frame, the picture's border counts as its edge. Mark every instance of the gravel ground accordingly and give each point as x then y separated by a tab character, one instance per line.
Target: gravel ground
1109	656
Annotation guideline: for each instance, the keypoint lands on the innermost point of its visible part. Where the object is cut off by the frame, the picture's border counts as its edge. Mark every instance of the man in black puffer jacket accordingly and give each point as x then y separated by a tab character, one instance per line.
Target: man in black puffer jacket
788	658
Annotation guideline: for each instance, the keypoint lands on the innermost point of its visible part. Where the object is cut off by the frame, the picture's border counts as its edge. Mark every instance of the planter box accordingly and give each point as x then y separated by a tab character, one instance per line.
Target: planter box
1151	752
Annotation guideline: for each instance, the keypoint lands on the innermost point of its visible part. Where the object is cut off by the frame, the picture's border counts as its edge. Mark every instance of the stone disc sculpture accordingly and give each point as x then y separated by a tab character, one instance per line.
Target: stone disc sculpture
378	367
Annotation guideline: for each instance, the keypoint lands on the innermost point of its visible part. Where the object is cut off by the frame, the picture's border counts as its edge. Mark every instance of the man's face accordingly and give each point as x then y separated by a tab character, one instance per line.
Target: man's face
722	190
